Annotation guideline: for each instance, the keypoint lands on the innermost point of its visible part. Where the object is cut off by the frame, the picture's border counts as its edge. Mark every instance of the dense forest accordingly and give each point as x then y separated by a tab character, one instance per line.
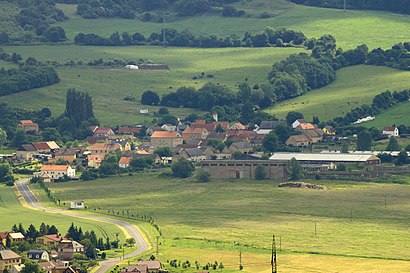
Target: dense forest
399	6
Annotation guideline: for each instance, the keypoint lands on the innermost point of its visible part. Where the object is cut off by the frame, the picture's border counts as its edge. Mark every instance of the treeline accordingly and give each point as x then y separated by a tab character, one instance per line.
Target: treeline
36	17
25	78
397	57
399	6
269	37
380	103
92	9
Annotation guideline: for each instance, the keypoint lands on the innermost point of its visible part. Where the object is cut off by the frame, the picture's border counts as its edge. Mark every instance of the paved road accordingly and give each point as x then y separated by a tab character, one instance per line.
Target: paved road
141	244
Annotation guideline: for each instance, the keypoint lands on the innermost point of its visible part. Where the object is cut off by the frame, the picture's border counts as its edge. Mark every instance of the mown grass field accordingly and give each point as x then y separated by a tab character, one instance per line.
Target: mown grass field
351	28
353	87
11	212
108	86
203	221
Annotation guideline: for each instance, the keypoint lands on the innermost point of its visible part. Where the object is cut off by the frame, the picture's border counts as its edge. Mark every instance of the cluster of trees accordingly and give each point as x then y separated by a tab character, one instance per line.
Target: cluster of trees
399	6
25	78
301	73
35	18
6	174
129	8
397	57
280	37
32	233
380	103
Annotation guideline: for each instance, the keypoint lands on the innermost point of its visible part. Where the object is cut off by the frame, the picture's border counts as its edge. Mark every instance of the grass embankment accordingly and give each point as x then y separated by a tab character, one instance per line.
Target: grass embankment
353	87
202	221
11	212
109	86
351	28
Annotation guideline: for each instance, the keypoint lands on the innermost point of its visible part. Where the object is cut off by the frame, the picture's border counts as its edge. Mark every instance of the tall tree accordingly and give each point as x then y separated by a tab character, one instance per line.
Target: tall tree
364	140
3	137
270	142
79	106
393	145
295	170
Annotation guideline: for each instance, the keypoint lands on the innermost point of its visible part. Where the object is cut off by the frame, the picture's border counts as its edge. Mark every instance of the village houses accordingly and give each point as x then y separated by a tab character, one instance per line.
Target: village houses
9	260
54	172
28	126
165	139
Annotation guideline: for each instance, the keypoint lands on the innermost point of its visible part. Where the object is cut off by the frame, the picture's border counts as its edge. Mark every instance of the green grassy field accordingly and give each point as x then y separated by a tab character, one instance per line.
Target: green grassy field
109	86
399	115
353	87
11	212
207	219
351	28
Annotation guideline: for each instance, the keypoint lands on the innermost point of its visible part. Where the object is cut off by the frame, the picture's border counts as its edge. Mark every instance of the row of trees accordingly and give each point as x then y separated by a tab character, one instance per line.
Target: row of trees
129	8
380	103
399	6
25	78
397	57
269	37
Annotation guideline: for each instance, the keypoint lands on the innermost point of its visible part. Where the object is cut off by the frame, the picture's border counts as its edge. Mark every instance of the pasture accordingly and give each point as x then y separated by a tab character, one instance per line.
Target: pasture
108	86
11	212
351	28
399	115
353	87
216	220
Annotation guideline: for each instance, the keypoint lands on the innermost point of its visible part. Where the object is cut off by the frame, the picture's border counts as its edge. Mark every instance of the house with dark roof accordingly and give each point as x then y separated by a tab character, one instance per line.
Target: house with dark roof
135	269
26	152
106	132
67	249
128	130
153	266
242	147
298	141
192	154
38	254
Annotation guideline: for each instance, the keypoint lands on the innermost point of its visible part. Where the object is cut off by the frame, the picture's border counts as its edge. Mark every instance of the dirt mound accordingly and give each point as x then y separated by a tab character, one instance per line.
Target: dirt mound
301	185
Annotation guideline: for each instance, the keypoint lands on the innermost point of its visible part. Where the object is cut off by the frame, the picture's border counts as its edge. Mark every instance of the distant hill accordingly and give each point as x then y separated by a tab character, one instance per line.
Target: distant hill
399	6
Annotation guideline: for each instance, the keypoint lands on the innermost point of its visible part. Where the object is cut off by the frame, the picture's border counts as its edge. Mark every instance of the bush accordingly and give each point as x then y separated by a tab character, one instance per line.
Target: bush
203	177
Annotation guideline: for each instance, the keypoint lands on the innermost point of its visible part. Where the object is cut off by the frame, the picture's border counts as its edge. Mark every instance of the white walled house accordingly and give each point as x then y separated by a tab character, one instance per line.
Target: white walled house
77	205
392	131
54	172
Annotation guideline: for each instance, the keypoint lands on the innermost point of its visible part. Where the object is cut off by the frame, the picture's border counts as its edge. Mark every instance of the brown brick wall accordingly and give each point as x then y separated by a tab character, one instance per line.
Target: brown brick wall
235	169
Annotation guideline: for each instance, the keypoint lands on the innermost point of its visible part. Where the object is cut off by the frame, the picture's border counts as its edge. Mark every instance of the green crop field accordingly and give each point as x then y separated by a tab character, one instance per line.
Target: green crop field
109	86
206	219
353	87
351	28
11	212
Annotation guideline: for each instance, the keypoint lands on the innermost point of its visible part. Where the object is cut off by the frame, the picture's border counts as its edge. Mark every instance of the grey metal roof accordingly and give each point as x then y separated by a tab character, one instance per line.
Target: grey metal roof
323	157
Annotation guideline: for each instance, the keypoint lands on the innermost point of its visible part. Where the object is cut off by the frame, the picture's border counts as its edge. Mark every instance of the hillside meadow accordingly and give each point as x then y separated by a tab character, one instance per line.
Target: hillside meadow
11	212
108	86
221	218
351	28
399	115
353	87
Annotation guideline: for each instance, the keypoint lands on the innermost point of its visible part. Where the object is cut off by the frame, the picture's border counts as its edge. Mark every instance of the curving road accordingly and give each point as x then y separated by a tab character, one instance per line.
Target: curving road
105	265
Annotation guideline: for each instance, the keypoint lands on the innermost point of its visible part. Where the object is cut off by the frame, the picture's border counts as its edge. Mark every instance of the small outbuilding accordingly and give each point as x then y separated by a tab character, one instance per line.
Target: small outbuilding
77	205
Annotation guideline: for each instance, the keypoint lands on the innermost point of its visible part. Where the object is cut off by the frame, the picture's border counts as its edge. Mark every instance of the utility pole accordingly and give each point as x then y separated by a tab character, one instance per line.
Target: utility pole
240	260
344	5
315	229
273	259
163	31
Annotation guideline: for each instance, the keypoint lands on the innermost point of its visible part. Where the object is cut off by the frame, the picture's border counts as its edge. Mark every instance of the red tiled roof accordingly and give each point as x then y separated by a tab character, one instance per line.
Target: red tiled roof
27	122
210	127
54	167
41	146
3	235
102	130
389	128
125	160
129	130
105	147
55	237
190	130
164	134
306	126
